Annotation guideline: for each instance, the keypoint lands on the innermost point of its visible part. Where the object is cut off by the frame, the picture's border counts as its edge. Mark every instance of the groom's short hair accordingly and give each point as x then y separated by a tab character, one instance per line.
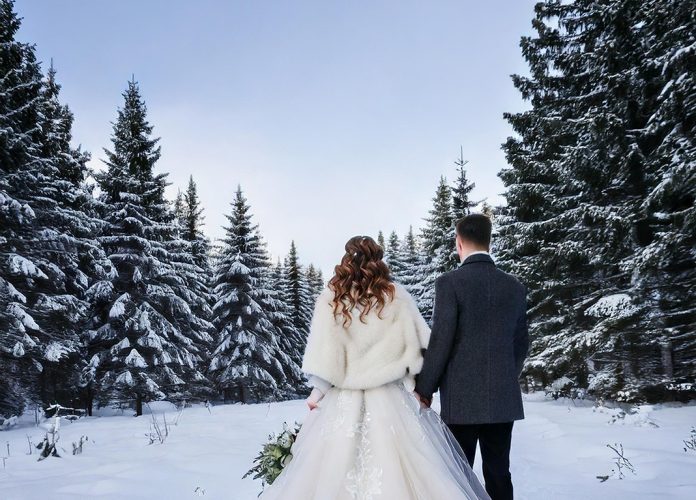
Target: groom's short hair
476	229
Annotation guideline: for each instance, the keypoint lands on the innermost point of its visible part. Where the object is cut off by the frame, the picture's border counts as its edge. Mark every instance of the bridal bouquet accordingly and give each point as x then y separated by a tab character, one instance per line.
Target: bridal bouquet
275	455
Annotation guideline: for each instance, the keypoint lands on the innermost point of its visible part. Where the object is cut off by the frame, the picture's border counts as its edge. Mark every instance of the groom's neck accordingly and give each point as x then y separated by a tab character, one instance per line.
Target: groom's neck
470	251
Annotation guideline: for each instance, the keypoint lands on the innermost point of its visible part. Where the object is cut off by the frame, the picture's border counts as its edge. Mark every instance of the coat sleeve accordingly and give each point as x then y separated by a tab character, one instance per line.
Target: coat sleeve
445	315
324	355
421	327
521	341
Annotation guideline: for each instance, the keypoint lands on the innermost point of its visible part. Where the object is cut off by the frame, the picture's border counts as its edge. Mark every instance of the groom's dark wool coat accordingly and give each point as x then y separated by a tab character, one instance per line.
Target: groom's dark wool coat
478	344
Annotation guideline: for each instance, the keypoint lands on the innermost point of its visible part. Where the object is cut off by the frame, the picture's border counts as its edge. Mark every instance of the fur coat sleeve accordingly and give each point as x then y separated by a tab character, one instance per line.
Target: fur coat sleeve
383	349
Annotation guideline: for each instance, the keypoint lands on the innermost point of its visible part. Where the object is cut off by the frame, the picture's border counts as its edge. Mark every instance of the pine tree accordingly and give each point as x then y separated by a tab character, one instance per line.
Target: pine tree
299	294
190	253
293	340
247	364
663	274
295	384
192	218
179	208
579	222
142	343
411	258
49	257
393	257
73	259
438	249
315	280
20	167
380	240
461	192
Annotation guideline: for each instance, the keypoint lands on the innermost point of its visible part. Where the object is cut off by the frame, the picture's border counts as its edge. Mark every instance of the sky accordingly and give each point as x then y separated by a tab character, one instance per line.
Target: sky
337	118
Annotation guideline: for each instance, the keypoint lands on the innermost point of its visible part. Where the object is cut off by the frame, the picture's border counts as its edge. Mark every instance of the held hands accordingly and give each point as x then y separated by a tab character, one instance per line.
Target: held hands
424	402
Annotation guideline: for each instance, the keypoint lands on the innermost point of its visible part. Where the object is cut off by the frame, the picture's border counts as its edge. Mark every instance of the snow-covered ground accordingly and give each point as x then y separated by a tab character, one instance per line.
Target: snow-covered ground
558	452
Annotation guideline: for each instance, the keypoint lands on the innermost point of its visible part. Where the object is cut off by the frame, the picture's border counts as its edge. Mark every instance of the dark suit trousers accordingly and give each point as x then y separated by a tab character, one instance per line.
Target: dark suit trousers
494	440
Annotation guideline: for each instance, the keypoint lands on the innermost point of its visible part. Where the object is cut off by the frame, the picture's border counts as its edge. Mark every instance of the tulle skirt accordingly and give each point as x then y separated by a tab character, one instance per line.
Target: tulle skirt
372	445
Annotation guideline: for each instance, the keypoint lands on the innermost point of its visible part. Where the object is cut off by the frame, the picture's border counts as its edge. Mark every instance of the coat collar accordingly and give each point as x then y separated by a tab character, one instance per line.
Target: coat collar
479	257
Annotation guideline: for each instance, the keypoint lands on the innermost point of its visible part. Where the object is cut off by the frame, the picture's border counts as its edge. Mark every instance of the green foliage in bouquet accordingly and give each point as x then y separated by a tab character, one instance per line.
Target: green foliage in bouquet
275	455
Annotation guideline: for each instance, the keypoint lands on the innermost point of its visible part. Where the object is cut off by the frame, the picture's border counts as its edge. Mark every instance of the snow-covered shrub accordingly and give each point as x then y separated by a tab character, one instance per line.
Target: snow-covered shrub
564	388
690	444
159	432
77	447
621	462
49	445
275	455
56	410
7	422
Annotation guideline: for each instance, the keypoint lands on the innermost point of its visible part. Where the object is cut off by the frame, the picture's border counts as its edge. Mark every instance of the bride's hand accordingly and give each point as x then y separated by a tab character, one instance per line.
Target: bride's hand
312	405
423	402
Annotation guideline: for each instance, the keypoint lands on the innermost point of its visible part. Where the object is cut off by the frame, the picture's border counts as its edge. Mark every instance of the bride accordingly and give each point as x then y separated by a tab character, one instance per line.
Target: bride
367	436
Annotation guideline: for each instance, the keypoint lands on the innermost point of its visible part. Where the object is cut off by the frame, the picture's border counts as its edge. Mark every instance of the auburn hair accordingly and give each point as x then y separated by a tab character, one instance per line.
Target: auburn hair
362	278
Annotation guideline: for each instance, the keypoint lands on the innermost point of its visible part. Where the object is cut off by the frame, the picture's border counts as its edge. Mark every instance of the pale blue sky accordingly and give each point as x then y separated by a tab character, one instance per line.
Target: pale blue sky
336	117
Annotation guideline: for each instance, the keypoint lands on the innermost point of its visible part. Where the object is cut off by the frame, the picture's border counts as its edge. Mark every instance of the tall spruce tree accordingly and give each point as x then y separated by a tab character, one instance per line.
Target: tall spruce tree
48	256
299	294
68	224
293	339
315	280
290	341
142	343
461	191
20	168
394	258
581	216
190	256
438	248
247	364
380	240
411	258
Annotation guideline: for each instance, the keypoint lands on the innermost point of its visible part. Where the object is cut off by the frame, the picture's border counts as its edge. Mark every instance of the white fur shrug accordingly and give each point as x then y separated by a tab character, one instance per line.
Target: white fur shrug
370	354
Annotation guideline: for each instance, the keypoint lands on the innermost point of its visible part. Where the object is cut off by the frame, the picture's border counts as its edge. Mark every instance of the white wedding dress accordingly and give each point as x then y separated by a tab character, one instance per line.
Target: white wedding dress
369	438
375	444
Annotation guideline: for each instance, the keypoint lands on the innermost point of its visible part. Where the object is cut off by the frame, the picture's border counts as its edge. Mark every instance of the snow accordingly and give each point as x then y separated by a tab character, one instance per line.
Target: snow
135	360
557	453
24	267
19	313
618	305
119	307
55	351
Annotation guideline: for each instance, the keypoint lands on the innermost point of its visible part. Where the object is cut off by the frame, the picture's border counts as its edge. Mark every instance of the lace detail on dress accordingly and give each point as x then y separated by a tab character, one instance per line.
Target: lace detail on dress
364	481
335	424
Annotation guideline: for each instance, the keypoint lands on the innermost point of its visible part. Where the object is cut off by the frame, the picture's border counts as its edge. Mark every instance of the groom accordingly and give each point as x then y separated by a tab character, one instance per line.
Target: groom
478	343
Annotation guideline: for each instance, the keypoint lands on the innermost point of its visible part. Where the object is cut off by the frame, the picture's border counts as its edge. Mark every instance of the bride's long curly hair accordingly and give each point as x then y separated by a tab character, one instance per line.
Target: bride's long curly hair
362	278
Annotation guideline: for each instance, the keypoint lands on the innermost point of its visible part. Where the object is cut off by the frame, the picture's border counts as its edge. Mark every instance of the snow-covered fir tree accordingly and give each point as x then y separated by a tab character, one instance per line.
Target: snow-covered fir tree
393	256
145	338
461	191
315	280
20	168
248	363
438	247
411	258
190	257
595	224
299	295
47	253
67	224
290	340
380	240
